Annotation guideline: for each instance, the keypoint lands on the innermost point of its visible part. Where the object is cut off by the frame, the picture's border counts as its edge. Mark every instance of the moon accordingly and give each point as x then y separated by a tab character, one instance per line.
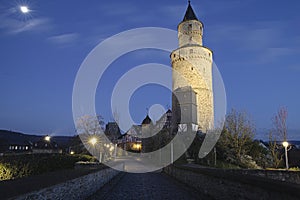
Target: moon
24	9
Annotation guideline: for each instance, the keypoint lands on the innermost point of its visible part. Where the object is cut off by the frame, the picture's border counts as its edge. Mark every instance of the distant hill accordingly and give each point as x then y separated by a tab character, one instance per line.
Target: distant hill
263	134
20	138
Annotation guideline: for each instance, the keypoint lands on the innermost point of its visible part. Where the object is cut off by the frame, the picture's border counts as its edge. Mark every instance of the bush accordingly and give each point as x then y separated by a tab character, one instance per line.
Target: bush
296	169
17	166
5	171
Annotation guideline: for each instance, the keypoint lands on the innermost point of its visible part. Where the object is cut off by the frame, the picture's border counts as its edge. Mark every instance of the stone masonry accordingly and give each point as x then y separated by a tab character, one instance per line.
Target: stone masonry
193	62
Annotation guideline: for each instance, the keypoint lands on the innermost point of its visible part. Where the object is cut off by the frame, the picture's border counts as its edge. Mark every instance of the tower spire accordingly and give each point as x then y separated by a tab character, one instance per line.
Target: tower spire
190	14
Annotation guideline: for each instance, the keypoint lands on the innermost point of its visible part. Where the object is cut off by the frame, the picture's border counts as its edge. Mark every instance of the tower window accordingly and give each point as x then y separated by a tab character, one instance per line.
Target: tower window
190	27
191	51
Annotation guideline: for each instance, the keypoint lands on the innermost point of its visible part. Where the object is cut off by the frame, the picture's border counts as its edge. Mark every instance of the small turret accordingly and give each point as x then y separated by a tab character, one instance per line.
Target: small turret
190	30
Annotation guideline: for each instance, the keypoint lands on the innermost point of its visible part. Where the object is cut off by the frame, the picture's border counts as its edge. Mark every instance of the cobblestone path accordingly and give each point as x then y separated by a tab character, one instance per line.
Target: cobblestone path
146	186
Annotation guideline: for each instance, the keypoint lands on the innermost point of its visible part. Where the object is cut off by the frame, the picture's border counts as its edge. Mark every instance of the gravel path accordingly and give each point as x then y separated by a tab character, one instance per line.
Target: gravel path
146	186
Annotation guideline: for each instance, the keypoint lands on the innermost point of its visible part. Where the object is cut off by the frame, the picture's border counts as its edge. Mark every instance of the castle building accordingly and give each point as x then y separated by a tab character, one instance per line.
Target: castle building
193	62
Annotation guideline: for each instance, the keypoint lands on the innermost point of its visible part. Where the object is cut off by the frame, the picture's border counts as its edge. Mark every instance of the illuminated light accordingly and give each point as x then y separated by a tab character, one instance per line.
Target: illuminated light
285	144
72	152
137	146
24	9
93	141
48	138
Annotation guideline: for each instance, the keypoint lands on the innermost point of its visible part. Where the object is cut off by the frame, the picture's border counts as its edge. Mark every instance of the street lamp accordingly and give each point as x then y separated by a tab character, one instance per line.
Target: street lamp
286	144
47	138
93	141
24	9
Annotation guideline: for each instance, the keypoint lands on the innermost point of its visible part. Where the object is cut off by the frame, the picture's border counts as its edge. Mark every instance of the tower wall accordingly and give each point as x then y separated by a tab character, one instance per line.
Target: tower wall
190	33
194	64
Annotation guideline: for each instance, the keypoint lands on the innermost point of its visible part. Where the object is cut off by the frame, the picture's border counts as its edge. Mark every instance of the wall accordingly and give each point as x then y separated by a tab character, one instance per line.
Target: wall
236	184
78	188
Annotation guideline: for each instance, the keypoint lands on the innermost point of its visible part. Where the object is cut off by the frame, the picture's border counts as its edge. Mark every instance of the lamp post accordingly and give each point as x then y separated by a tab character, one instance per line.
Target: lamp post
93	141
172	152
116	146
286	144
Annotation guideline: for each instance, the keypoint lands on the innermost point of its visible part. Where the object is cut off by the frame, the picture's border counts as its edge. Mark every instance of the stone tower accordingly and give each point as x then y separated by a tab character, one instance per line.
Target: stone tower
193	62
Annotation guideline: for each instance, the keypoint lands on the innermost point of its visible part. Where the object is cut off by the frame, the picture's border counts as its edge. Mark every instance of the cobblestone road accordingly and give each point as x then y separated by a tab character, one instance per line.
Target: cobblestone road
146	186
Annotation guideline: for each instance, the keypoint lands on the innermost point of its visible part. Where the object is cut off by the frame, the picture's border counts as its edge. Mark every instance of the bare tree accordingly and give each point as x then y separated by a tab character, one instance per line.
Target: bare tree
277	134
279	122
91	132
240	131
90	125
116	116
273	147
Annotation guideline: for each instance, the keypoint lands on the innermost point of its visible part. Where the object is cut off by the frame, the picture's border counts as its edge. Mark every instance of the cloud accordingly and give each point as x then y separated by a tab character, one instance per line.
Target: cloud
274	54
295	67
173	11
264	41
11	25
120	9
64	39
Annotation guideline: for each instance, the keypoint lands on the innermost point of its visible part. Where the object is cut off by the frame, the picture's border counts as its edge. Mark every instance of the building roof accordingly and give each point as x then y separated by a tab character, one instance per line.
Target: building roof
147	120
169	111
189	14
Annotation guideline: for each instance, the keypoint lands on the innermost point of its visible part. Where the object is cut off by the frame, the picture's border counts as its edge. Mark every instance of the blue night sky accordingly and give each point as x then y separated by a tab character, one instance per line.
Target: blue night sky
256	46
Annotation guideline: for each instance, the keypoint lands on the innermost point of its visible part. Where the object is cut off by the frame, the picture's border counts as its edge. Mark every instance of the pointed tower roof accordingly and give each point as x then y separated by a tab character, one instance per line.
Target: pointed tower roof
189	14
147	120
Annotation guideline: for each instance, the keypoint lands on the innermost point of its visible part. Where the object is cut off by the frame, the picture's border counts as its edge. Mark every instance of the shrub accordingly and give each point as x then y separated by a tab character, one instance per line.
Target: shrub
17	166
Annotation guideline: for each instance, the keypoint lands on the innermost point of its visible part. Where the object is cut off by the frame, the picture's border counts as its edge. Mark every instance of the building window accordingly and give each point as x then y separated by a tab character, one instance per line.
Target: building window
191	51
190	27
26	147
